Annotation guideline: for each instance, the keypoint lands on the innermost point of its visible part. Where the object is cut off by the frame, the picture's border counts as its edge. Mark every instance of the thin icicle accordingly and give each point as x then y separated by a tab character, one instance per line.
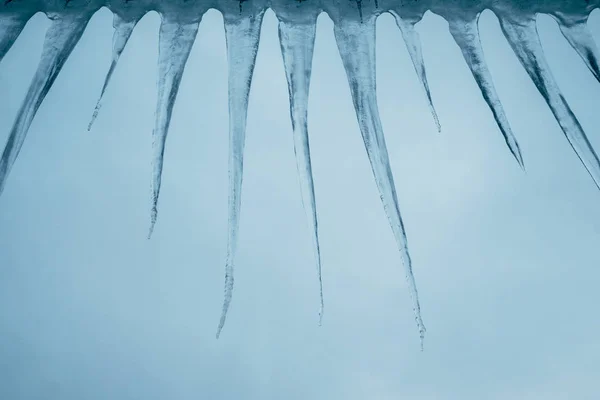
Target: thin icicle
297	45
175	43
524	40
413	45
242	36
356	44
123	30
466	35
576	31
10	28
61	38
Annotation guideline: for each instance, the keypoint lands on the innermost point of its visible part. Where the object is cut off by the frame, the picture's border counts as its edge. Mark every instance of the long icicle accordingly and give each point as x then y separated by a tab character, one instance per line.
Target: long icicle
297	46
123	31
242	35
356	44
175	43
523	37
10	28
62	36
466	35
413	45
577	33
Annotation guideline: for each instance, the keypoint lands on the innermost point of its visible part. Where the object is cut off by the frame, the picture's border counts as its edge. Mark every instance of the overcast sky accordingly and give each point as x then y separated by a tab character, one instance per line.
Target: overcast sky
506	262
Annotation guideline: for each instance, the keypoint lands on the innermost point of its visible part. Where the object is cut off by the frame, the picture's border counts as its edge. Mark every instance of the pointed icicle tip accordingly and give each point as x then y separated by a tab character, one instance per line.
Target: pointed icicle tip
153	217
356	44
413	45
123	30
297	46
466	35
175	43
242	34
61	38
577	33
523	38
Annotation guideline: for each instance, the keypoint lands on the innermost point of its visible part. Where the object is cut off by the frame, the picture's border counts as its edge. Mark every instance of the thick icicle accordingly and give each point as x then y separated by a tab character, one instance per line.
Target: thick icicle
175	43
576	31
61	38
413	45
297	45
356	44
466	35
242	35
123	30
10	28
524	40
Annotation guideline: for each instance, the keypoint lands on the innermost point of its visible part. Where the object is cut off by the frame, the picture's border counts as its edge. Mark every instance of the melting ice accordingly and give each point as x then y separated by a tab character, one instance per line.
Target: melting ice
354	30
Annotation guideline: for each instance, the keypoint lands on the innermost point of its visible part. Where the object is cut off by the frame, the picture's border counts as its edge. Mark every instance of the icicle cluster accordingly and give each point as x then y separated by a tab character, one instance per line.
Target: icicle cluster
354	29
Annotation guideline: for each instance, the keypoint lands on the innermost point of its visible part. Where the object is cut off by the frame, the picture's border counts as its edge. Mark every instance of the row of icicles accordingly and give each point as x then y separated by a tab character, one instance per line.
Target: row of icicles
356	43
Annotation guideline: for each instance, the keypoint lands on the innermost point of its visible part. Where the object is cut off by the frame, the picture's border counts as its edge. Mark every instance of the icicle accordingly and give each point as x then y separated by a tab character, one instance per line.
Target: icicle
175	43
123	30
10	28
356	44
466	35
576	31
297	45
61	38
242	36
360	9
524	40
413	45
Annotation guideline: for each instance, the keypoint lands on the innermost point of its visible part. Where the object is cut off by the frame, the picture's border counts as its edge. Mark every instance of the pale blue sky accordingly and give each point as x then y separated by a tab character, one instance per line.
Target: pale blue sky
506	262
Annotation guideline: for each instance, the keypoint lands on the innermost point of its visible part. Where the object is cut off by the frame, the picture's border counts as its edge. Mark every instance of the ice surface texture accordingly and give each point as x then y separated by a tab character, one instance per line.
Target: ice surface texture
354	29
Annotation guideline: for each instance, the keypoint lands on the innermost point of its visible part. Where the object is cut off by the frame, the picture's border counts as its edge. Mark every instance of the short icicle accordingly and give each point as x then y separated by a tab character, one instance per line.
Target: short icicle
356	44
10	29
297	46
175	43
577	33
413	45
523	37
123	31
62	36
242	34
466	35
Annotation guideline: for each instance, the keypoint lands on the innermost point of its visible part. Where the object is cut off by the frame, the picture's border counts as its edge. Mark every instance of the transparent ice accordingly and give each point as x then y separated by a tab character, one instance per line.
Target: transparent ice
354	30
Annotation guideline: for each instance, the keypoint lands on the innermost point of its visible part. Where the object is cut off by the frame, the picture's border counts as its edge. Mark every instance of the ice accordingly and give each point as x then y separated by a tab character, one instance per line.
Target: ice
522	36
575	30
62	36
466	35
123	30
354	29
356	44
297	45
10	28
413	45
242	34
175	43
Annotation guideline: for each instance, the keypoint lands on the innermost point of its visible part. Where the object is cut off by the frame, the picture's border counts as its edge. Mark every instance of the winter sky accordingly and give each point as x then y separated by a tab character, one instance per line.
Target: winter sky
506	262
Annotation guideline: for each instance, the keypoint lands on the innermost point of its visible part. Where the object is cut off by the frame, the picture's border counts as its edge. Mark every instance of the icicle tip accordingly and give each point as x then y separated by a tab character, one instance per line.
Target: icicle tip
321	316
153	218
